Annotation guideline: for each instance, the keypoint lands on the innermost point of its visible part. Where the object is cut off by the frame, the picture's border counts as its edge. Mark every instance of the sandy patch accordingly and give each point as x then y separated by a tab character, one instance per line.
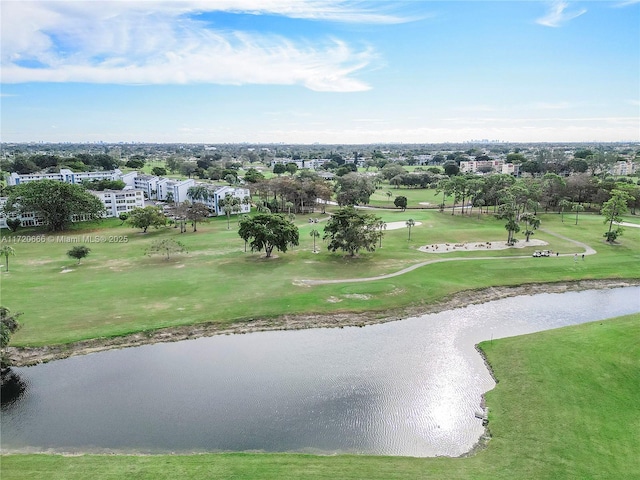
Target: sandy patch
475	246
358	296
399	225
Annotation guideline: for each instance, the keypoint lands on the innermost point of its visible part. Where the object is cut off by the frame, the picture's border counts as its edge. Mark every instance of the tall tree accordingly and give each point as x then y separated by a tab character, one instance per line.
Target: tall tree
613	209
6	251
577	208
531	223
56	203
266	231
562	205
196	212
410	223
230	204
315	234
351	231
382	225
508	210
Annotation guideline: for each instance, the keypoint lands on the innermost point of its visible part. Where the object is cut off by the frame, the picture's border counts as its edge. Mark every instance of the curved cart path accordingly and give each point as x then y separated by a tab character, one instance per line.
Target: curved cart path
587	251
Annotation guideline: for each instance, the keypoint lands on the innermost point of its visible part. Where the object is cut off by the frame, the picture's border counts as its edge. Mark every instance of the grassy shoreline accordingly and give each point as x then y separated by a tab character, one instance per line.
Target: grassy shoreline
26	356
564	407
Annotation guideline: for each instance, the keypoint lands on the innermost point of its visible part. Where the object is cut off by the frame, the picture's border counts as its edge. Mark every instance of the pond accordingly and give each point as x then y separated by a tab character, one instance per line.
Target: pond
411	387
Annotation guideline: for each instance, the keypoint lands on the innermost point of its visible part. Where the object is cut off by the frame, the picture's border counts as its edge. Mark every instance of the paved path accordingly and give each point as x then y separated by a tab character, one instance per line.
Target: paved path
587	251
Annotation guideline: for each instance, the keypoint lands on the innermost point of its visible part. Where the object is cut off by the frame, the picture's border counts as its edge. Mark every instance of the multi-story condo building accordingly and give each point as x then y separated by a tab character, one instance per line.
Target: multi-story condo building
476	166
115	202
138	187
174	190
120	201
65	175
216	194
511	169
624	167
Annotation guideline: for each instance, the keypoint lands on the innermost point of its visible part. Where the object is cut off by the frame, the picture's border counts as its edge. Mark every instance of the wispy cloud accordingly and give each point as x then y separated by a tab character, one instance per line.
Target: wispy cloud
157	42
626	3
559	14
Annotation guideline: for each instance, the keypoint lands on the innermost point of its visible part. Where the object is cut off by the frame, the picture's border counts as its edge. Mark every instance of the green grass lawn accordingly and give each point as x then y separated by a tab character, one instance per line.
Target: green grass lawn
416	197
565	407
118	290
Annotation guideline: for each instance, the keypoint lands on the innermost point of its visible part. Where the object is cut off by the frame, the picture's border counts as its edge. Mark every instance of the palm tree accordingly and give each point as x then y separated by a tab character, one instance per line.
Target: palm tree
229	204
198	193
564	203
389	195
577	208
410	223
381	225
5	251
315	234
532	223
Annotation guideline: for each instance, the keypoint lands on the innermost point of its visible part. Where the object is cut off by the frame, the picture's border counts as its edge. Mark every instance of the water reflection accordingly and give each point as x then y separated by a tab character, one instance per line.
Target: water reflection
13	387
411	387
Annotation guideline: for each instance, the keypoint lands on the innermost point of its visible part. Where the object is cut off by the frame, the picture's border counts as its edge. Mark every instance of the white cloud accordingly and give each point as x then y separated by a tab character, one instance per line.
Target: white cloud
558	15
626	3
157	42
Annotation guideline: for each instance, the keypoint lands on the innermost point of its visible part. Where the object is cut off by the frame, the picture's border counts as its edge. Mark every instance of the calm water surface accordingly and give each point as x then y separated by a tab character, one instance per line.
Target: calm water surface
410	387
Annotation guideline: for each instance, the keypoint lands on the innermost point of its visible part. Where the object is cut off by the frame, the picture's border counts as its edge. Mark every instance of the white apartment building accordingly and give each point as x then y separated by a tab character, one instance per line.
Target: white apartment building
115	202
146	183
624	168
176	190
511	169
120	201
159	188
216	194
478	165
138	187
310	163
65	175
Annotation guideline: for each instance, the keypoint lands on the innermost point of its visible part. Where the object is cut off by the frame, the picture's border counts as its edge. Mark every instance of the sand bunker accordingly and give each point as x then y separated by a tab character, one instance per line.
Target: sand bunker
472	246
399	225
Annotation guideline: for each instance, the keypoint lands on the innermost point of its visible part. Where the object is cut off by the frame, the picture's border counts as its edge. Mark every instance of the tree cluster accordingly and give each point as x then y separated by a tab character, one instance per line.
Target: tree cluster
56	203
80	162
297	193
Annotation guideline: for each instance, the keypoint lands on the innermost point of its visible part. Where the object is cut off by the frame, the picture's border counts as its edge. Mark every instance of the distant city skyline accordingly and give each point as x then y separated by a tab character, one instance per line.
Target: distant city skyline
319	71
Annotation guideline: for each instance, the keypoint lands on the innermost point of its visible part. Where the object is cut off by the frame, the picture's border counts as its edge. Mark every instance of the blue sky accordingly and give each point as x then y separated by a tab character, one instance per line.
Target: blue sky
326	71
